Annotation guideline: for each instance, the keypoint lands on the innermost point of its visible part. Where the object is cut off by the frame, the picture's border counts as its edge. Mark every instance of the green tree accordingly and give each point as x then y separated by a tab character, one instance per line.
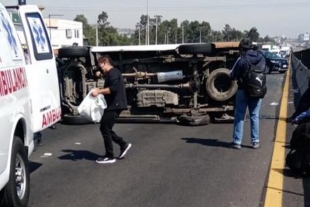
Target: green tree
253	34
184	29
103	19
88	30
236	35
108	35
164	32
206	33
217	36
268	39
227	33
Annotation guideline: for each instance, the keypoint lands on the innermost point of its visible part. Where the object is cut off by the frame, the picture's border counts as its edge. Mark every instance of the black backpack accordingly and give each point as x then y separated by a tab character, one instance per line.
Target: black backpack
298	159
255	81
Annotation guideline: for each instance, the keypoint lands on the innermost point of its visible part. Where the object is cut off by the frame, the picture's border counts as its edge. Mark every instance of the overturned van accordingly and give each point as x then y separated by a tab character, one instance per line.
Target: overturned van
179	82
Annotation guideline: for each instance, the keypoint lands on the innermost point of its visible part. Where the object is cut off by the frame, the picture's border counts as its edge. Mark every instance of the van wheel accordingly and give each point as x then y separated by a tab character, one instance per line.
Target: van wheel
16	192
219	85
73	52
195	49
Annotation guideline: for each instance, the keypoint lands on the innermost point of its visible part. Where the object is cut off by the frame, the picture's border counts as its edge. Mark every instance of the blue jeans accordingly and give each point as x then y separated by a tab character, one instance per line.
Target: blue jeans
241	104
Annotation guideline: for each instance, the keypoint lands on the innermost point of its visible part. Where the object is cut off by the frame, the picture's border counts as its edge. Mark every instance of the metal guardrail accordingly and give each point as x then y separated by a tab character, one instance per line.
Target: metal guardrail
300	64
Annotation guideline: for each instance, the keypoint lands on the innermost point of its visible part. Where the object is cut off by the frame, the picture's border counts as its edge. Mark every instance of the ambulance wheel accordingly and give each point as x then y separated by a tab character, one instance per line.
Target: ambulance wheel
74	120
16	192
219	85
73	52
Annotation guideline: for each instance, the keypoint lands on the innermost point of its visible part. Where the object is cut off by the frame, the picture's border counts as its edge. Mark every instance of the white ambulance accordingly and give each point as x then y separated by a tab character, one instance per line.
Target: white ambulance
29	96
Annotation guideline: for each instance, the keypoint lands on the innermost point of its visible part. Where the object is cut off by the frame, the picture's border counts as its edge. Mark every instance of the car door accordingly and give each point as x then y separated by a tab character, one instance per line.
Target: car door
41	69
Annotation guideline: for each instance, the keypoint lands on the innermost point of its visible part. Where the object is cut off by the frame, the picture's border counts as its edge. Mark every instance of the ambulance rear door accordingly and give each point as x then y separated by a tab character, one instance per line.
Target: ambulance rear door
41	69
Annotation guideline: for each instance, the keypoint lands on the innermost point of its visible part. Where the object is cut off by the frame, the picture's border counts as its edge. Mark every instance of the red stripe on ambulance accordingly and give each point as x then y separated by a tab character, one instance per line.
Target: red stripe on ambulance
12	80
51	117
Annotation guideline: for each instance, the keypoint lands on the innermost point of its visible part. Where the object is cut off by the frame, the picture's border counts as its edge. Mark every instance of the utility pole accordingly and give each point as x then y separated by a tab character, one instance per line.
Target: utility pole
200	35
156	29
182	33
97	25
139	29
176	36
165	38
50	24
157	16
168	37
139	34
148	22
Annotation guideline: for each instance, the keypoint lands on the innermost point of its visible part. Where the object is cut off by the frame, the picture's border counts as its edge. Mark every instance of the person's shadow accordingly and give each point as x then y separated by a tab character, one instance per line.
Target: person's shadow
75	155
207	142
210	142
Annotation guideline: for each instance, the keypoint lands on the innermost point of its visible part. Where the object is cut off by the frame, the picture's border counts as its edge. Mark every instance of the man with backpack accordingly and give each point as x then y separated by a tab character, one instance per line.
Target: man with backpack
249	71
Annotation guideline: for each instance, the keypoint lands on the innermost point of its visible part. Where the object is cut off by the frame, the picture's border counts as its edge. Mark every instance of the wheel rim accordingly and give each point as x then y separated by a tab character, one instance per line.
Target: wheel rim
222	84
20	176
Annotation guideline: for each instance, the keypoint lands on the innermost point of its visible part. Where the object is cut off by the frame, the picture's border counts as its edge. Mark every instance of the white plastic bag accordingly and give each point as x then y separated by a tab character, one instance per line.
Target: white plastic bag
92	108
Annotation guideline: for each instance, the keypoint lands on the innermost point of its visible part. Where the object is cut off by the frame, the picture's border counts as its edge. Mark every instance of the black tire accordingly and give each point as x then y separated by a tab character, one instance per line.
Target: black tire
219	85
195	49
73	52
282	71
74	120
9	195
268	69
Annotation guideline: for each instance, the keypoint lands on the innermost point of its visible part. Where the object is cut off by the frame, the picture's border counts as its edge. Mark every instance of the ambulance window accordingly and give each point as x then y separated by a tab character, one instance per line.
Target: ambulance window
15	17
41	42
8	39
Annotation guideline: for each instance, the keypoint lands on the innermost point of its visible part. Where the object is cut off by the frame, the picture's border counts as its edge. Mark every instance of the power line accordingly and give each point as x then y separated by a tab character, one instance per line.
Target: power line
190	8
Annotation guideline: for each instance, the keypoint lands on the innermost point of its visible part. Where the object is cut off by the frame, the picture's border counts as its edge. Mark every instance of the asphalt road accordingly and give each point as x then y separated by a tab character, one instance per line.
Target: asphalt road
168	165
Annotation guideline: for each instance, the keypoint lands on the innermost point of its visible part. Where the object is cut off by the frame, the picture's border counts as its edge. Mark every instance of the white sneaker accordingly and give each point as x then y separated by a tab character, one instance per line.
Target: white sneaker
124	151
105	160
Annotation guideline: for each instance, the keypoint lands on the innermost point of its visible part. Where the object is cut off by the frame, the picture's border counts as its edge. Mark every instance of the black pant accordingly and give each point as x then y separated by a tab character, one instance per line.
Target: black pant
106	124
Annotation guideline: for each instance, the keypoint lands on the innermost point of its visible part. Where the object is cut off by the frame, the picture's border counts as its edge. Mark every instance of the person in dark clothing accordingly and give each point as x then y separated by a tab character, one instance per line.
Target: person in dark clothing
242	101
115	96
302	106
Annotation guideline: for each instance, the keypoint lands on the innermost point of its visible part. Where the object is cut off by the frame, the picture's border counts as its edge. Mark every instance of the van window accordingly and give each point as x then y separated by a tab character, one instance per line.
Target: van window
41	42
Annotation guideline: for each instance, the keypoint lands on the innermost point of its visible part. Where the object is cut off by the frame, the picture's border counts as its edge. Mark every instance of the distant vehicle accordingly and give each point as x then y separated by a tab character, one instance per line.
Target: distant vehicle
285	52
266	47
274	62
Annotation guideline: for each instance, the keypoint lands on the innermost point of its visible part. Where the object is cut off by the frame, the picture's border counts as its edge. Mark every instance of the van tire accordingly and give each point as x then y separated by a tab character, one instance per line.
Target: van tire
214	91
9	195
73	52
195	49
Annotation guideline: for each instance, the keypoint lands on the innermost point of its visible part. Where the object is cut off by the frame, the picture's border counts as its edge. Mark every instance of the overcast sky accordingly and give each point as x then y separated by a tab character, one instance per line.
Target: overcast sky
271	17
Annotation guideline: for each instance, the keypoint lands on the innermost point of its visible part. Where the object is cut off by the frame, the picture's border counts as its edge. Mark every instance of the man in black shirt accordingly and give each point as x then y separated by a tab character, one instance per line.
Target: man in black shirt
115	96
